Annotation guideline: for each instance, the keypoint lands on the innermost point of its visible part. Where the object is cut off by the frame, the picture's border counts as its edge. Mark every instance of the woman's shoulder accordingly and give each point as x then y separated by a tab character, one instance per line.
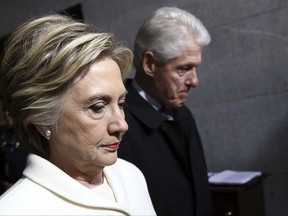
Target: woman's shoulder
15	195
126	169
126	177
123	164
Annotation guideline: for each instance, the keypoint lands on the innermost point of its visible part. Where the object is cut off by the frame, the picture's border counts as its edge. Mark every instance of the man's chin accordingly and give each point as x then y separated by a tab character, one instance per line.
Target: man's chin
176	103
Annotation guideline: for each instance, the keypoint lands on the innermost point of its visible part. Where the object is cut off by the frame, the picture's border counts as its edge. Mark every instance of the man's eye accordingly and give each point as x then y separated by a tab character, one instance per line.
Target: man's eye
183	70
97	108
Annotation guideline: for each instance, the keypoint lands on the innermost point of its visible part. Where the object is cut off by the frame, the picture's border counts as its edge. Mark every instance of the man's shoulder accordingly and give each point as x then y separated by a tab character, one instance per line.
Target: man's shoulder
128	84
133	96
184	112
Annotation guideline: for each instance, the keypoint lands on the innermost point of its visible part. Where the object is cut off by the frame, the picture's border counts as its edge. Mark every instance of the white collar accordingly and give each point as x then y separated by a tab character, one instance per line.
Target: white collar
49	176
145	96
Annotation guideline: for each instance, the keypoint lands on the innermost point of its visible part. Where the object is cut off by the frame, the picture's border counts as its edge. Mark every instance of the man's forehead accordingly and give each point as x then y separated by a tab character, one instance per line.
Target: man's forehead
193	49
193	52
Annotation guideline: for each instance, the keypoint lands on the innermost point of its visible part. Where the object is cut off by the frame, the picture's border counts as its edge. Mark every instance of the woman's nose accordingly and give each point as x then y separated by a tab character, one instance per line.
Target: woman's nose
118	123
123	126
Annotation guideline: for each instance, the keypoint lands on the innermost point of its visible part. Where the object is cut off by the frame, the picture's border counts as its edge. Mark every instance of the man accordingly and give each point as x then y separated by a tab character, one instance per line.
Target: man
166	146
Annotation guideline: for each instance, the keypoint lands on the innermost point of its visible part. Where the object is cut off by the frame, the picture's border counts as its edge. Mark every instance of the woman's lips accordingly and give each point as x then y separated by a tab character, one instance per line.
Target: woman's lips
112	147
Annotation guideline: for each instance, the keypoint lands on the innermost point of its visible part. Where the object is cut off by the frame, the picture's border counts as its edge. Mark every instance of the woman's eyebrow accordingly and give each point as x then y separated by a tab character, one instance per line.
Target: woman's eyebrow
99	96
104	96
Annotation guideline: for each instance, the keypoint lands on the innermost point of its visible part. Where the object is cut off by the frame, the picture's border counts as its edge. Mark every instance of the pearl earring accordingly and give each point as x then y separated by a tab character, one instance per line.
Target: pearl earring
48	134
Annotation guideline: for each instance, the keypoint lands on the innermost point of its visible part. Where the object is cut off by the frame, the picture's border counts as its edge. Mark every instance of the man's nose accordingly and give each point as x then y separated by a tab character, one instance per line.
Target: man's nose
192	79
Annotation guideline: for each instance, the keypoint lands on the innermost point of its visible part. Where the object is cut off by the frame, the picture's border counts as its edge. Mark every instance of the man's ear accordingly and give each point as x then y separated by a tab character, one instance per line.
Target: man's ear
149	63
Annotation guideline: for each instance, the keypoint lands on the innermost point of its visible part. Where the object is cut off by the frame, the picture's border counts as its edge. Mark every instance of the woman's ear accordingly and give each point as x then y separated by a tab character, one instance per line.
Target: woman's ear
44	131
40	129
149	63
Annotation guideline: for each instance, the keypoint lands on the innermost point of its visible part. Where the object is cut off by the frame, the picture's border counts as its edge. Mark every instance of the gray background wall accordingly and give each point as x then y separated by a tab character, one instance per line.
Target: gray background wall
241	104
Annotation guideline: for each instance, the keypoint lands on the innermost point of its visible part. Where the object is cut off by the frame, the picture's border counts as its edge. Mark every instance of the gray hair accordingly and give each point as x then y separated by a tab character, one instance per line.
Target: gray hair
166	32
42	58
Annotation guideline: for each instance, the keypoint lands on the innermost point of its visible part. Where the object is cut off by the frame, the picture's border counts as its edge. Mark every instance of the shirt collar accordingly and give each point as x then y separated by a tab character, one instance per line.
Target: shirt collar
145	96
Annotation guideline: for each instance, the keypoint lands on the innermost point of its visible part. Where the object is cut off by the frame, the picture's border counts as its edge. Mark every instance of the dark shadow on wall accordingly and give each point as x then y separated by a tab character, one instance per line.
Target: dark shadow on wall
276	146
74	11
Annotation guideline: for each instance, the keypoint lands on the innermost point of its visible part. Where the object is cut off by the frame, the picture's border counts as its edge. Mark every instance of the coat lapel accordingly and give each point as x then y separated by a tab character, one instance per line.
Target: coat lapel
153	119
141	109
45	174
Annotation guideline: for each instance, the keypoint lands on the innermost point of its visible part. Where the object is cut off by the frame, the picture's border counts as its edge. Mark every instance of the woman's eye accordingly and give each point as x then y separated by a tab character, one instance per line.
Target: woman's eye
121	105
97	108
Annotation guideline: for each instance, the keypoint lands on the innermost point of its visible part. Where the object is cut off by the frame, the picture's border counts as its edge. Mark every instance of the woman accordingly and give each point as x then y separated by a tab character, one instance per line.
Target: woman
62	85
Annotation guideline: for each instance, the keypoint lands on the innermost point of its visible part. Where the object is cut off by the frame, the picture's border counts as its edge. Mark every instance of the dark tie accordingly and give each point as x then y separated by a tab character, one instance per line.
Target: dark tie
167	113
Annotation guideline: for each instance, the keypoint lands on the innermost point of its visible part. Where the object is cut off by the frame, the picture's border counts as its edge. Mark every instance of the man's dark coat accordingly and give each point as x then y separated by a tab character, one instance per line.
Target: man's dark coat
170	155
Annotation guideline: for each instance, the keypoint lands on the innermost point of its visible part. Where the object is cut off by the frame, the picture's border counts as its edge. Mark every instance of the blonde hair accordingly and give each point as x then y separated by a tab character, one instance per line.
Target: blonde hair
42	58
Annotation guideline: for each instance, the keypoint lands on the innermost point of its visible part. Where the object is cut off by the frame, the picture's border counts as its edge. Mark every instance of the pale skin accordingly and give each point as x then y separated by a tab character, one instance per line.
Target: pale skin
170	83
91	128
